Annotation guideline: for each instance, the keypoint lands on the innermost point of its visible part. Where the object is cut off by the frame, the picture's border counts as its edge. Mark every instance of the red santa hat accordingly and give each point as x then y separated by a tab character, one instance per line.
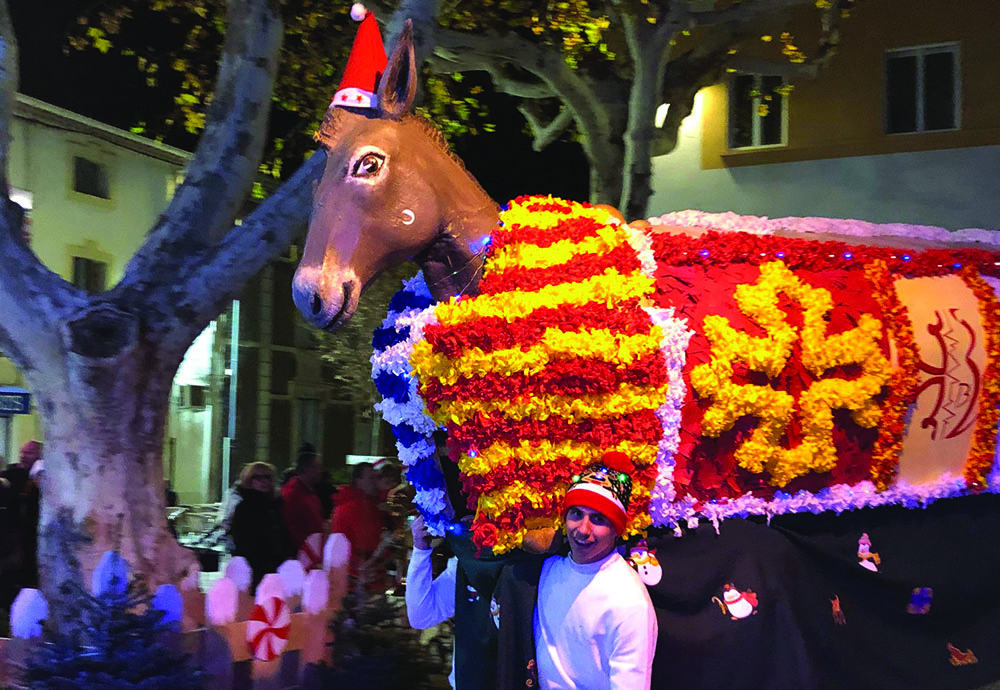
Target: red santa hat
359	87
605	486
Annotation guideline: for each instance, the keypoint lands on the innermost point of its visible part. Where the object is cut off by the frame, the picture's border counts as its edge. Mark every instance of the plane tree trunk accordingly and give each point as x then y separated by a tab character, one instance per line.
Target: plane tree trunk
101	365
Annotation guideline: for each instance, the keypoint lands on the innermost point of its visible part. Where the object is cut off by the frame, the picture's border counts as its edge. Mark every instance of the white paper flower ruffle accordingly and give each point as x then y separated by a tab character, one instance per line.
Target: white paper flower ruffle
676	336
762	225
411	310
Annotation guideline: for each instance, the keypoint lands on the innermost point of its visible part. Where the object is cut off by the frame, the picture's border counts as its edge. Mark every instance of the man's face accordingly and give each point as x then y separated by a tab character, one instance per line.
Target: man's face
591	534
29	455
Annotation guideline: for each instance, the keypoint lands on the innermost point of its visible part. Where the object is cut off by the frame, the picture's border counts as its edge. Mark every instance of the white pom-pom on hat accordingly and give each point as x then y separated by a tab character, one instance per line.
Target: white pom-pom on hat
359	86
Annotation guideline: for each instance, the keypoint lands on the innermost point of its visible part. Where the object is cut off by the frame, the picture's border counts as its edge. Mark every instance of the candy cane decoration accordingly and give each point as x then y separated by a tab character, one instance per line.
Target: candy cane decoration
267	629
311	553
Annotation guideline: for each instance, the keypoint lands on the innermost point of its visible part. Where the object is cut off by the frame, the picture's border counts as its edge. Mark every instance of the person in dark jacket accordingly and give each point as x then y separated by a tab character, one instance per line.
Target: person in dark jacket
258	526
19	566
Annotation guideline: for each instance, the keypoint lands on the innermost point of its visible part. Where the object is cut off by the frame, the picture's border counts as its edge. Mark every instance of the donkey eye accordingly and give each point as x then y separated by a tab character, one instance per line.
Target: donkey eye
368	165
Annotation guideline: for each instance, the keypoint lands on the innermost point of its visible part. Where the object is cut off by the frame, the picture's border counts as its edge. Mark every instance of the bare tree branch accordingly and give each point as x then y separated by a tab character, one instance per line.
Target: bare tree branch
229	151
751	65
514	81
33	299
650	46
744	12
424	15
544	134
596	104
493	53
829	42
216	277
9	79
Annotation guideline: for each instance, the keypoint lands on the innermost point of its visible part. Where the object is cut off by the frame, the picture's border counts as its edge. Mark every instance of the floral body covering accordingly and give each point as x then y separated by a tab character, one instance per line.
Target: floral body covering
805	374
772	375
557	360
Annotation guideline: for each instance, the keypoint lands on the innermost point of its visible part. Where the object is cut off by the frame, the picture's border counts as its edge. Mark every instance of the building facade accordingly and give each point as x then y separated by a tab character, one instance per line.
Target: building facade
92	192
903	125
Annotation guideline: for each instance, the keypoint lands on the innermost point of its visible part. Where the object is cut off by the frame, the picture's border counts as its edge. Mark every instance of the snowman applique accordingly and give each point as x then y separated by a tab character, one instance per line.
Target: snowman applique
736	603
867	558
645	563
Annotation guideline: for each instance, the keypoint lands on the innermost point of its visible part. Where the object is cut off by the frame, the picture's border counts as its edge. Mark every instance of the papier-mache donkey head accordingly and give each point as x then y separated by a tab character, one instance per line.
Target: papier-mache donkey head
391	192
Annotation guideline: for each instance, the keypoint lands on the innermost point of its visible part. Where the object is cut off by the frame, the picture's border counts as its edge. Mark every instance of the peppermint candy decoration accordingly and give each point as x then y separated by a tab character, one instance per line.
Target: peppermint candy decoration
311	553
267	629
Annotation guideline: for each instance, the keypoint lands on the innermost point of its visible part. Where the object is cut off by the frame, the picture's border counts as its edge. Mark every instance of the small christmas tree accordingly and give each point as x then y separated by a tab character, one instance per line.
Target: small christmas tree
375	648
119	646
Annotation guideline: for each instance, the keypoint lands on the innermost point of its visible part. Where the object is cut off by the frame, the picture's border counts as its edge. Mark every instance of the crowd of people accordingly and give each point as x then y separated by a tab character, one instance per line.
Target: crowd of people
581	616
268	524
584	615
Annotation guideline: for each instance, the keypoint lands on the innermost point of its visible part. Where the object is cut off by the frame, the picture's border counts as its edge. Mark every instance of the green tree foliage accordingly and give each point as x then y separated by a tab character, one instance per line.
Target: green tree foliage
591	70
176	44
348	351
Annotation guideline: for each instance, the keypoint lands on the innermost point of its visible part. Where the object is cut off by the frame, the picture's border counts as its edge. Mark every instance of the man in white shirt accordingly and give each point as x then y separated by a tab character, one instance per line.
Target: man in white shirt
594	624
429	600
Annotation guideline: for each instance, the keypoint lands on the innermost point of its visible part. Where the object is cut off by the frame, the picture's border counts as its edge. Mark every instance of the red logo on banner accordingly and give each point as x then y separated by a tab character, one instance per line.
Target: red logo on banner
957	379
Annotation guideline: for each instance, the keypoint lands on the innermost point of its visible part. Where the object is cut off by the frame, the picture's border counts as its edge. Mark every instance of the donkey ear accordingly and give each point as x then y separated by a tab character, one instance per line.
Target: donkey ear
398	85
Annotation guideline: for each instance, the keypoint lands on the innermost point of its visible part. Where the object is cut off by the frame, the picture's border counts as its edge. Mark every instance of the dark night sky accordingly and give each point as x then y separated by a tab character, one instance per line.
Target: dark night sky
107	88
103	87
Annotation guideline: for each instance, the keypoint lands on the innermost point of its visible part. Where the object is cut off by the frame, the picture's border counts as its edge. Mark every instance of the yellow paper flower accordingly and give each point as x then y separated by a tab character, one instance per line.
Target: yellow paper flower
533	484
526	453
769	354
554	345
626	400
610	288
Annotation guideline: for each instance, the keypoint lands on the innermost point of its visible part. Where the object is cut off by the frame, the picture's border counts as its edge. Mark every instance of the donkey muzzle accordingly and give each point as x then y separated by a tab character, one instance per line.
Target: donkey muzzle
325	301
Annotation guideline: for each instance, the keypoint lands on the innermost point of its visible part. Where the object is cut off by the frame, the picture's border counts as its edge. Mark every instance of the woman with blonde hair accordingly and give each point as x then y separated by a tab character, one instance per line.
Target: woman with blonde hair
257	527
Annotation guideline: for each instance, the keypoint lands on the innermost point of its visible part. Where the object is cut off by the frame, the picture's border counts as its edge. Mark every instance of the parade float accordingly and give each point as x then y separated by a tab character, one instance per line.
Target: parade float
791	401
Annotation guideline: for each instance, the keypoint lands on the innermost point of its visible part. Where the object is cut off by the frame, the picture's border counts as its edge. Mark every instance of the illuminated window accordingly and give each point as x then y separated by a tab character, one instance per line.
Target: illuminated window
922	89
89	275
756	111
90	178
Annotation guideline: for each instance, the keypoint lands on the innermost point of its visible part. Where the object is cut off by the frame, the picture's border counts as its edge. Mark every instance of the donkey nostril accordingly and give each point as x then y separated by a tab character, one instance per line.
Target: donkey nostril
316	304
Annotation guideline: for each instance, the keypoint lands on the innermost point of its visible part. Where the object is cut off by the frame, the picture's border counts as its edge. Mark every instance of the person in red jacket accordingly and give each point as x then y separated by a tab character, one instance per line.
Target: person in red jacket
301	506
358	517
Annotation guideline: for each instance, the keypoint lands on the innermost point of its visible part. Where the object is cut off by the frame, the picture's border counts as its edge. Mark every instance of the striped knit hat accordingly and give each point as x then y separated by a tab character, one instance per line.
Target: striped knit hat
604	486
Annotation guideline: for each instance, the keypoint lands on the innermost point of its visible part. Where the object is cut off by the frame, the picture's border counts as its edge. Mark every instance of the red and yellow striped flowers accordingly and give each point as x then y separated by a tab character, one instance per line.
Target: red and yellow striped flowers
554	362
